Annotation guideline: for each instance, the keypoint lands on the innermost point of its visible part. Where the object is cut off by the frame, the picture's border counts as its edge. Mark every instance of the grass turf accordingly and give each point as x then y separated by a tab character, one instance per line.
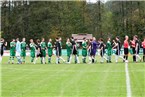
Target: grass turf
76	80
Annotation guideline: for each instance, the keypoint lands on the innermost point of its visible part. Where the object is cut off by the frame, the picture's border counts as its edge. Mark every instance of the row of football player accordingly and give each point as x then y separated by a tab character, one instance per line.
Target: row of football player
88	48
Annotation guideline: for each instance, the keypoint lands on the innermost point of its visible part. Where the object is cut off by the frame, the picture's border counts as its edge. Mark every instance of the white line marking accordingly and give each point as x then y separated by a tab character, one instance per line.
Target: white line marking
128	87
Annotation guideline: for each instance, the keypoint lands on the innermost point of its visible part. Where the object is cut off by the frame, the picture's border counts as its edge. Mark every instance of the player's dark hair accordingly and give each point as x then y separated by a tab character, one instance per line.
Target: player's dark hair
136	36
101	39
84	38
38	40
72	37
117	37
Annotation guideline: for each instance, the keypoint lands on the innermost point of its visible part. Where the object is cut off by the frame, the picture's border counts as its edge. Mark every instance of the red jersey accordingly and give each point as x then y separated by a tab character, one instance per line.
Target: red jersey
133	44
143	44
126	44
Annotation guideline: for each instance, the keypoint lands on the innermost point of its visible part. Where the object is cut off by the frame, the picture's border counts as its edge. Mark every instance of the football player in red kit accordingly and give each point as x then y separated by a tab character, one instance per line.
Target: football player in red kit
143	45
126	46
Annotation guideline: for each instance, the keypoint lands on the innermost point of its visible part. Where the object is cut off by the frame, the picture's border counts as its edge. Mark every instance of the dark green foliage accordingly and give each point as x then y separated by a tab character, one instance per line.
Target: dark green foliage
62	18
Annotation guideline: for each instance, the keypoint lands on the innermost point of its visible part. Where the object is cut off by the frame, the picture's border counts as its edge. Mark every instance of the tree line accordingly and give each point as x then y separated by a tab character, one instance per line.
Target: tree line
62	18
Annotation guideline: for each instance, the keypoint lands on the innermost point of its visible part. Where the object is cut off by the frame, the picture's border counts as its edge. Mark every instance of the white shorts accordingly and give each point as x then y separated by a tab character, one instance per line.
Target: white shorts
18	54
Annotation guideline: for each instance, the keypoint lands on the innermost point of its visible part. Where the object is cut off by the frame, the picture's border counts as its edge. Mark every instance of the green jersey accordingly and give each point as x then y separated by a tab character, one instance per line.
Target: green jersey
68	47
12	46
23	49
43	45
32	48
84	45
50	47
109	48
23	46
84	50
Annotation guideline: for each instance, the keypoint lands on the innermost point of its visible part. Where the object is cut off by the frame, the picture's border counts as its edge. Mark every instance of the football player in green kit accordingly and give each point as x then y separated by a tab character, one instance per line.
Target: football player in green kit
109	50
32	48
43	50
12	51
50	48
68	47
23	50
84	50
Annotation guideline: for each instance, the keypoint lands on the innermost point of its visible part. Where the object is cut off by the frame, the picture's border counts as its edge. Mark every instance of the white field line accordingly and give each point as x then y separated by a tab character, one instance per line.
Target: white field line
128	86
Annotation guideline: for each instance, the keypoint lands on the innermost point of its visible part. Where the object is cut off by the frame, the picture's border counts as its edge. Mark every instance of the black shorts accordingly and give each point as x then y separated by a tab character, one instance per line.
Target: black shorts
2	52
144	51
74	52
39	55
133	50
125	51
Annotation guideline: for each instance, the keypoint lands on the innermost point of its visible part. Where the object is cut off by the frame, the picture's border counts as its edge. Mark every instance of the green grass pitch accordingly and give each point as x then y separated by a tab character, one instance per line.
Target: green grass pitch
71	80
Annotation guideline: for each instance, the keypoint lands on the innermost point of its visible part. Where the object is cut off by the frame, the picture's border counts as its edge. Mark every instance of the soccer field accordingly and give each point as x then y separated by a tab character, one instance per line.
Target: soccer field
75	80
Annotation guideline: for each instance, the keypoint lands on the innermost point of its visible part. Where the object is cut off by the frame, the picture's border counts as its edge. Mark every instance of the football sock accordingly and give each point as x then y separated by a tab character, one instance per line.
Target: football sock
41	60
49	59
32	59
138	57
70	59
78	61
144	58
134	58
116	58
35	60
102	59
